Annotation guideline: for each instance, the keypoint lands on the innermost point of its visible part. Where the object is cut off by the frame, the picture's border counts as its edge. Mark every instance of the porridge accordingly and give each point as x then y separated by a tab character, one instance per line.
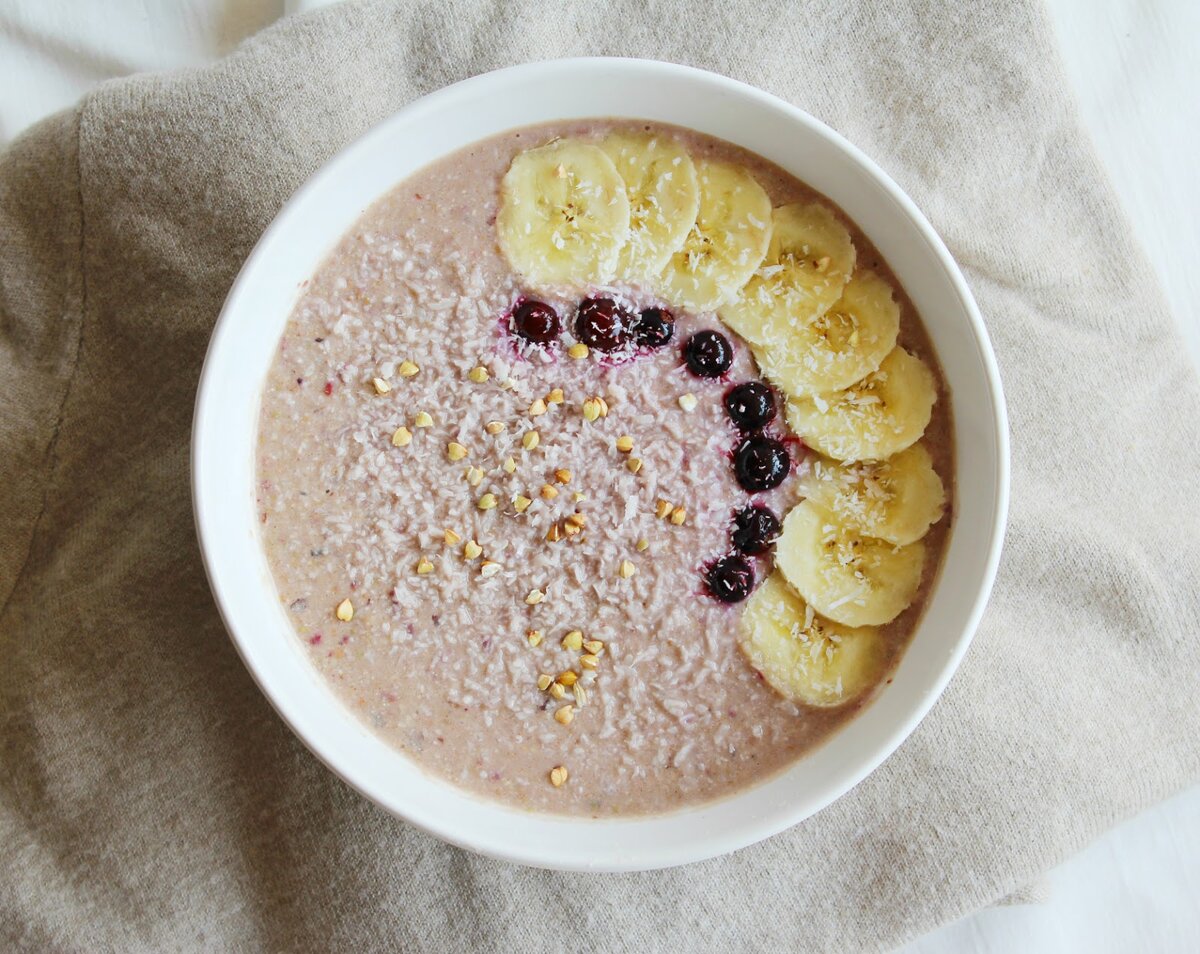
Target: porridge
603	468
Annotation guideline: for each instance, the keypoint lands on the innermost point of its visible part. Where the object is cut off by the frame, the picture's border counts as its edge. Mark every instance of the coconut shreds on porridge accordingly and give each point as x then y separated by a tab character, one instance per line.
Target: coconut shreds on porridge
604	468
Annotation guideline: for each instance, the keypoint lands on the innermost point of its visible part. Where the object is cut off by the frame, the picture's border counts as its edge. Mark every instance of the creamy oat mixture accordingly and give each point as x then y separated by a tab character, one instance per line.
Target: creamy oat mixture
379	374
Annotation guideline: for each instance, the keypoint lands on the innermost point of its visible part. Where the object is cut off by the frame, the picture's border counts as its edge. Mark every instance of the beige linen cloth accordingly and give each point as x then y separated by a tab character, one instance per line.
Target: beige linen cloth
150	800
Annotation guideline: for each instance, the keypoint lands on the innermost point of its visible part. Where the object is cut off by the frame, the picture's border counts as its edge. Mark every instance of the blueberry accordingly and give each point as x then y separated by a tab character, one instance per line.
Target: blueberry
750	405
708	354
730	579
602	324
536	321
760	463
655	327
754	530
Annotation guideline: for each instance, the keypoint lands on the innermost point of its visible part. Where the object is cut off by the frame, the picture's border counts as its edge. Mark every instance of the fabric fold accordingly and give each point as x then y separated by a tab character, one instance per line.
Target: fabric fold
41	299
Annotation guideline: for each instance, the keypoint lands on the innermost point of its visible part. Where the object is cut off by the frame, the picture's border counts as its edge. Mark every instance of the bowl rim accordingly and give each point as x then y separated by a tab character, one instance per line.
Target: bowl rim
445	827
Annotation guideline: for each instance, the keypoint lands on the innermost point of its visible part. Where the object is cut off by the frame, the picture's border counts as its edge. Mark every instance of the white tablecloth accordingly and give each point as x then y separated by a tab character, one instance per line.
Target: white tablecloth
1137	77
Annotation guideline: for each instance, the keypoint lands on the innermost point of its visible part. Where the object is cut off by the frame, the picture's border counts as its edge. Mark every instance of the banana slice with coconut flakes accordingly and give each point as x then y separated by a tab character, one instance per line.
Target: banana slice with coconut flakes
564	214
846	576
896	500
664	199
885	412
803	657
810	258
725	244
839	346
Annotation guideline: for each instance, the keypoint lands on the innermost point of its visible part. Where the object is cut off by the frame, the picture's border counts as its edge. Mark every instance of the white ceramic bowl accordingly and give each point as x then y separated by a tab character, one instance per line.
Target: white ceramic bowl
253	319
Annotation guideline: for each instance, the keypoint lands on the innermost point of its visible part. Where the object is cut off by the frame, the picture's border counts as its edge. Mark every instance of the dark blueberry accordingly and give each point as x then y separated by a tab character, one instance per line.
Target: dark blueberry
754	530
536	321
655	327
731	578
708	354
602	324
760	463
750	405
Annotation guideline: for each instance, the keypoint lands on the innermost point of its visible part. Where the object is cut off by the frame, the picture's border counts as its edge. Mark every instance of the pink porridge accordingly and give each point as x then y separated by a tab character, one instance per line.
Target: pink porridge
499	552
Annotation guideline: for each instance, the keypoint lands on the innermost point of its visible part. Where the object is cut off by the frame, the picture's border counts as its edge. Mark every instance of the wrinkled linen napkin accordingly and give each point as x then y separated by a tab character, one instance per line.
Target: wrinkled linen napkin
150	800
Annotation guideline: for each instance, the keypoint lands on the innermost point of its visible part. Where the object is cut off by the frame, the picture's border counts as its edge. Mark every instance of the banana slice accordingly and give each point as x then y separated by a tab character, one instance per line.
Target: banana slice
896	500
833	350
564	214
806	658
808	263
727	241
664	199
852	579
885	412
